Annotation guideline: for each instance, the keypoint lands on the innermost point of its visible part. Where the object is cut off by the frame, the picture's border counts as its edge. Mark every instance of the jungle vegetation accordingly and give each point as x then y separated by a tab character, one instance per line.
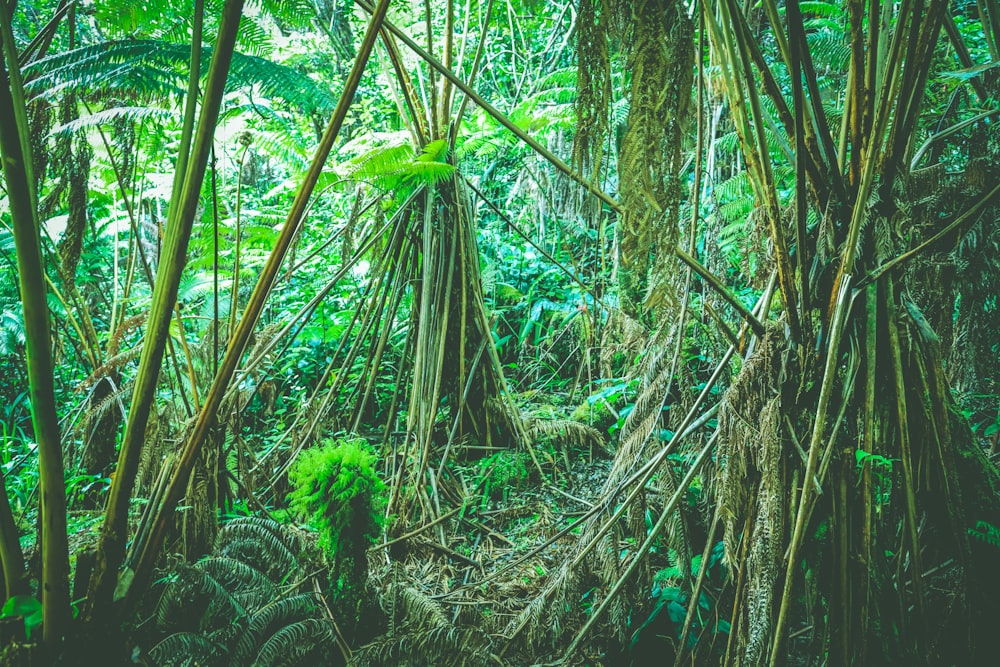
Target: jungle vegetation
500	332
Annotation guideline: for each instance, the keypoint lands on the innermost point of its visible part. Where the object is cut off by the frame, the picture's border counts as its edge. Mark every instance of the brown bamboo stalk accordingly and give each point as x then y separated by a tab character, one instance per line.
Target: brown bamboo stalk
867	445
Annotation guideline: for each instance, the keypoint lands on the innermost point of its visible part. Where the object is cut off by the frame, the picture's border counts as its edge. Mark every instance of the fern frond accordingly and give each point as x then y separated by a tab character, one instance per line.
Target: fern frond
194	601
250	587
262	544
393	164
108	116
304	643
187	649
564	433
153	70
419	611
829	49
269	620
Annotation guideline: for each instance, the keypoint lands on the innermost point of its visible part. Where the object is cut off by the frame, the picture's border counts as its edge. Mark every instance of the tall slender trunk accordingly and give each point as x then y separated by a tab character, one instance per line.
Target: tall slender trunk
16	153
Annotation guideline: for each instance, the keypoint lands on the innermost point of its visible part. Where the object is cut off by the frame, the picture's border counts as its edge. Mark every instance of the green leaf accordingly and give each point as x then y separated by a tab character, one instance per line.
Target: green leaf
27	607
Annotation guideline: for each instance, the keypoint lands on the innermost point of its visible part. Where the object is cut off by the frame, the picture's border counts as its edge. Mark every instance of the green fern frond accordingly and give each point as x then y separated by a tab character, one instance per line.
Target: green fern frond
195	602
109	116
152	70
12	335
292	13
308	642
728	142
187	649
253	38
392	165
262	544
987	533
736	187
818	8
829	49
269	620
435	151
734	214
250	587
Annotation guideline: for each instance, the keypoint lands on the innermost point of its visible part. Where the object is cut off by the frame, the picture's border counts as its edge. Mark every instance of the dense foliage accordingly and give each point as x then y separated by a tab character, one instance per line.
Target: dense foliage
499	333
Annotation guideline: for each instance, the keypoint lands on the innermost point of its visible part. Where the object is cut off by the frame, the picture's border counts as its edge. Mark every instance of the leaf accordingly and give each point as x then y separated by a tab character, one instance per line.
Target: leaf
21	605
27	607
969	72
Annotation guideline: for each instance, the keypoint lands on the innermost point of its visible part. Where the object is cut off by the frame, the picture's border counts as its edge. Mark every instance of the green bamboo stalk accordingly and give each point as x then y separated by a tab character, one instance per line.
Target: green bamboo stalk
149	549
16	152
111	548
190	103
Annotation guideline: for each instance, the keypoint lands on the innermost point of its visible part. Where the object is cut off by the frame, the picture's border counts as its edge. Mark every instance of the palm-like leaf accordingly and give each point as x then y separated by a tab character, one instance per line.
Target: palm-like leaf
152	70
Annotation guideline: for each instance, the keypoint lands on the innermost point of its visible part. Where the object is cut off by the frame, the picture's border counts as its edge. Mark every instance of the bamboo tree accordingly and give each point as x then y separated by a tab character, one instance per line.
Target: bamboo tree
149	550
16	153
111	549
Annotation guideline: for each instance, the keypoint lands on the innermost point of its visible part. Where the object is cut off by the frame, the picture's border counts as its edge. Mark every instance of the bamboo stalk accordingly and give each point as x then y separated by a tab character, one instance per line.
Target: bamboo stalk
15	149
111	548
802	515
867	445
15	577
909	474
149	550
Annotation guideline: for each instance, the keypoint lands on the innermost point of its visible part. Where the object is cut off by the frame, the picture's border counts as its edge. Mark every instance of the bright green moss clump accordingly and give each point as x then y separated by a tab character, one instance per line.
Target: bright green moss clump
337	491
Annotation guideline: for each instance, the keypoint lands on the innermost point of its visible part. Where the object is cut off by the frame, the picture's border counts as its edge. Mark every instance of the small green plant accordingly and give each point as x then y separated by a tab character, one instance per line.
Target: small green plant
337	491
671	593
504	470
27	608
986	532
881	469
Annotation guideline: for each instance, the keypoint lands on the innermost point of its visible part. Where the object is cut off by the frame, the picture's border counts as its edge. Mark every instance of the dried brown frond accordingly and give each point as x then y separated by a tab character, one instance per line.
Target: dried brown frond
751	391
420	632
563	434
128	324
109	367
623	338
593	84
768	538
